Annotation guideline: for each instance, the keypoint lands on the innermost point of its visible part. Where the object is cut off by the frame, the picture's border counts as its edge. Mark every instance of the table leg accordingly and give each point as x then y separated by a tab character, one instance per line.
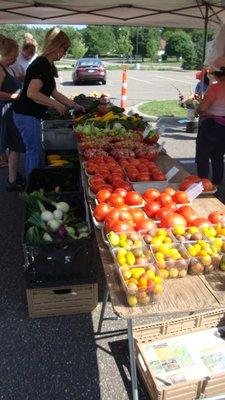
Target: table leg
132	360
104	302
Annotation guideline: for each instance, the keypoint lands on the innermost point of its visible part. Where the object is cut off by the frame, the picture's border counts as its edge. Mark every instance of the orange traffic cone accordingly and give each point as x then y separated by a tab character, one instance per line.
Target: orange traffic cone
123	102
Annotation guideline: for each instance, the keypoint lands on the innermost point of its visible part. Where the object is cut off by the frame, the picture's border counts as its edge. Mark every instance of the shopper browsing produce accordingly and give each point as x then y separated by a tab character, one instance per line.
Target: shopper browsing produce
210	143
26	56
9	91
39	92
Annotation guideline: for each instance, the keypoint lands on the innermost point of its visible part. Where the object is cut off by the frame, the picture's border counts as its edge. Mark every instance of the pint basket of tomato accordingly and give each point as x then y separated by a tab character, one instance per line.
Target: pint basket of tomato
142	285
171	259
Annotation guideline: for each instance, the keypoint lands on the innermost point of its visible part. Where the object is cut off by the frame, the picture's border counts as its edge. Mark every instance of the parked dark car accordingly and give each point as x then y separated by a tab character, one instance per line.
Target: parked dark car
89	69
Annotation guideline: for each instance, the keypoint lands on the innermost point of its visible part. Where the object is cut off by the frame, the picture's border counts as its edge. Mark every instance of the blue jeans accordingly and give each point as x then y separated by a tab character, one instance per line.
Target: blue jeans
30	130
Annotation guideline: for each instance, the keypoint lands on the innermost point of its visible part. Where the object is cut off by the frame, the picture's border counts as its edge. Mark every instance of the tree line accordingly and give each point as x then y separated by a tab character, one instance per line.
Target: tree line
135	42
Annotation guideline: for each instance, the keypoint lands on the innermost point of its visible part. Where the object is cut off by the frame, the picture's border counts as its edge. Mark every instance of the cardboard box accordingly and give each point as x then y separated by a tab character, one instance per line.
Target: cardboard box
205	387
62	300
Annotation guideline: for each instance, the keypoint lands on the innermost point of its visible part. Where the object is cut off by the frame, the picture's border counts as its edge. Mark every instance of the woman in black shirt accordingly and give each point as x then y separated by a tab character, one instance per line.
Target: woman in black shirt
39	92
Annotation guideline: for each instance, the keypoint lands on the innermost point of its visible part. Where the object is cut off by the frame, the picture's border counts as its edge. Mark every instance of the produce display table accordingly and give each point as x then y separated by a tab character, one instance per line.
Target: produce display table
190	294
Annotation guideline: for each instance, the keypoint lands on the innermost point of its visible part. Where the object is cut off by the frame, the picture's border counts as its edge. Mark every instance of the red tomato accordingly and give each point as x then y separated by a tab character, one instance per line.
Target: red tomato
106	186
200	222
169	190
163	211
171	220
101	211
132	175
120	191
188	213
117	183
133	198
164	199
105	173
216	216
151	194
142	168
184	185
91	169
122	226
119	214
115	200
143	177
96	179
151	208
103	195
145	224
126	186
158	176
181	197
115	176
207	184
193	178
137	214
97	186
123	162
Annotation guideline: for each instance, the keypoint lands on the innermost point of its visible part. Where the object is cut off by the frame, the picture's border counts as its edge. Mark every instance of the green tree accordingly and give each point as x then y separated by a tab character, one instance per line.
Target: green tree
124	43
152	48
189	57
140	36
78	49
179	44
100	40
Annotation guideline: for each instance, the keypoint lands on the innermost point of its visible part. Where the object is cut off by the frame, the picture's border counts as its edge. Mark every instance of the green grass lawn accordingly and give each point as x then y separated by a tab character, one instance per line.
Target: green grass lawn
160	108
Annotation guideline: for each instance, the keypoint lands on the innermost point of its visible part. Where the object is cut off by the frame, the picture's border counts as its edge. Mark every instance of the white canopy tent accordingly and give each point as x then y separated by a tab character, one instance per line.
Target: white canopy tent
173	13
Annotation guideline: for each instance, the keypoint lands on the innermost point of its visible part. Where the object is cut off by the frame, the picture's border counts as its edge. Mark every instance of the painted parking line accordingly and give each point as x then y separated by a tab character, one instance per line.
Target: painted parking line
174	80
141	80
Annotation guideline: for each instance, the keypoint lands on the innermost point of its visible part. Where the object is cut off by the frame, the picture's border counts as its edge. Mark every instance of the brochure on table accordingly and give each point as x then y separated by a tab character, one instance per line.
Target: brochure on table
187	357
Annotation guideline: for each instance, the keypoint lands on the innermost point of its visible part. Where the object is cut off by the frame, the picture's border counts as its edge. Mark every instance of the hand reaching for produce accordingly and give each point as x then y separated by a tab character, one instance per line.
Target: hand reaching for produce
60	108
78	108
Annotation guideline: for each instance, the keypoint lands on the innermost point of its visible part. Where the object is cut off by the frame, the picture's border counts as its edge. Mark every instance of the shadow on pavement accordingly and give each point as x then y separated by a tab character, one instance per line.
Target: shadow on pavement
119	350
41	358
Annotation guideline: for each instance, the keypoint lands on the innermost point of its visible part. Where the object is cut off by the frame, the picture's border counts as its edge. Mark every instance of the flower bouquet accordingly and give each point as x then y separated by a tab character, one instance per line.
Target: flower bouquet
191	101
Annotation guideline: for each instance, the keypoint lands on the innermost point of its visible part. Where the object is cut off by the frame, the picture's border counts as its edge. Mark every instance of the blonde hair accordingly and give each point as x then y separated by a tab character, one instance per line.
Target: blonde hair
7	45
54	39
29	42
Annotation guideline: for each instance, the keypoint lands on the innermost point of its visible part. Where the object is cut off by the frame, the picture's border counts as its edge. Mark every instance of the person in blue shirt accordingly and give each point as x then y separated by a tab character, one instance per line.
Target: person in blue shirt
202	86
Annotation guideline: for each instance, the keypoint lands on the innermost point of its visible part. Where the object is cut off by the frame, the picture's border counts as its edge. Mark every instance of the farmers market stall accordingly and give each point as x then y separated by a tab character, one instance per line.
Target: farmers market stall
195	292
160	232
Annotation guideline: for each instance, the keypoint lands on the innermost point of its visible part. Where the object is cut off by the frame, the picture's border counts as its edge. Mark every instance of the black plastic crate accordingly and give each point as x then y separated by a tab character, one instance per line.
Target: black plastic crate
59	138
55	180
60	262
67	259
68	155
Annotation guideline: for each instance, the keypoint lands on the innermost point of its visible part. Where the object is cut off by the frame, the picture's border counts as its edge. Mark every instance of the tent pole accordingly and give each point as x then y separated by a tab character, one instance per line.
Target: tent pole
205	32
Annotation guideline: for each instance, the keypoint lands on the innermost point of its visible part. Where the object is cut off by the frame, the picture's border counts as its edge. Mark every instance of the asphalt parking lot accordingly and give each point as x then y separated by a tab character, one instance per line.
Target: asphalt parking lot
62	358
142	86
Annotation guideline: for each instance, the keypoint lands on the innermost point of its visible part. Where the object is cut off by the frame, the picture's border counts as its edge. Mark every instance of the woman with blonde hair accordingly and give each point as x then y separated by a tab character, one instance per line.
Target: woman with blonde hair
39	92
27	54
9	92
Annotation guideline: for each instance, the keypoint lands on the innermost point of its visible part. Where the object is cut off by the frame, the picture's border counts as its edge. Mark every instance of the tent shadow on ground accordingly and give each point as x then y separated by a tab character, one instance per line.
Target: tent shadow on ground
119	350
52	358
71	83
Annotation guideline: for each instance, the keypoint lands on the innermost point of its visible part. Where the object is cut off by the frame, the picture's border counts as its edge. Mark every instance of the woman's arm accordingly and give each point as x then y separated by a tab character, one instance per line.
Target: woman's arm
34	93
204	105
4	95
66	101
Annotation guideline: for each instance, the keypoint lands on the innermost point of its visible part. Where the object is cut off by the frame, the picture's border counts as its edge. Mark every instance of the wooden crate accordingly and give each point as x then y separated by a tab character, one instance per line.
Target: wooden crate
192	390
62	300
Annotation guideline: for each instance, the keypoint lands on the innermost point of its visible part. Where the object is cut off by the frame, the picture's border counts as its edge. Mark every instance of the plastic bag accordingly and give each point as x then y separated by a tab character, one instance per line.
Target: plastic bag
215	48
